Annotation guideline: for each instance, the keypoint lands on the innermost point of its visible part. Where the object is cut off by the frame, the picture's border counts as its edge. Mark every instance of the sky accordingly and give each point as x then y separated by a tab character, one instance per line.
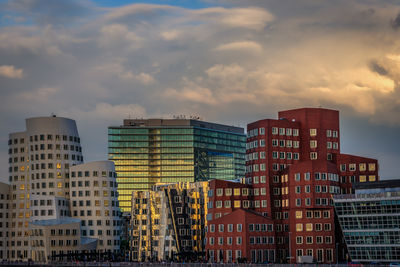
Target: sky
227	61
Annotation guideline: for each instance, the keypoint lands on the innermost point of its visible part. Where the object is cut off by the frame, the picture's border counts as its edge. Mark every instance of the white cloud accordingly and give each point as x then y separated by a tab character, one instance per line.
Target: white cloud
40	94
246	46
118	35
251	18
108	112
170	35
11	72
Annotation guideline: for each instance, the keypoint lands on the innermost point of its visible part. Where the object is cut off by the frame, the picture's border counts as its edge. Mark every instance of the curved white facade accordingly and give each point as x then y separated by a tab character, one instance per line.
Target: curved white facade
39	162
94	200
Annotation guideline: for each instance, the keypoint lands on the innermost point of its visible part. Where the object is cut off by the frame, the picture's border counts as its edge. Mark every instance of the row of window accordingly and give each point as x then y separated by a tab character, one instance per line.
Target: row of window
309	227
87	183
238	204
283	155
99	222
97	203
94	174
307	202
49	137
229	240
361	167
289	132
310	240
43	147
285	131
49	212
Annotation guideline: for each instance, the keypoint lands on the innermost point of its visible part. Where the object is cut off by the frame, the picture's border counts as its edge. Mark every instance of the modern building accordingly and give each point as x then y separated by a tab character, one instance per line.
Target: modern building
94	200
153	151
168	222
241	236
39	161
369	220
45	170
4	219
294	166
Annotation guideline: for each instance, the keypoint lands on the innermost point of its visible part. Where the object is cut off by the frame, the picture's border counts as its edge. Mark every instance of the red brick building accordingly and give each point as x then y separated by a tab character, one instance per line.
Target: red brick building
293	166
242	235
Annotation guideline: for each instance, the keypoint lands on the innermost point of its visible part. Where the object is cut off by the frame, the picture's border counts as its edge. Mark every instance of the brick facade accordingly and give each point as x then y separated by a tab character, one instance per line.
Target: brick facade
293	166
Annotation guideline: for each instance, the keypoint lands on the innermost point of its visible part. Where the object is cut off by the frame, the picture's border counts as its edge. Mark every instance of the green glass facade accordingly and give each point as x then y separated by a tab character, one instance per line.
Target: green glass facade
144	156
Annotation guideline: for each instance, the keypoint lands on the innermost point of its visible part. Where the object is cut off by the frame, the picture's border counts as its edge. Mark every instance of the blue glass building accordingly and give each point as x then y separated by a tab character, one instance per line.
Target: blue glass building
370	221
146	152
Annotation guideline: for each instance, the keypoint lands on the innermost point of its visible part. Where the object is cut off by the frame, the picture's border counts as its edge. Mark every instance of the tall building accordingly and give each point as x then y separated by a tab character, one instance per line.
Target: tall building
94	200
45	172
153	151
168	222
294	165
39	161
369	220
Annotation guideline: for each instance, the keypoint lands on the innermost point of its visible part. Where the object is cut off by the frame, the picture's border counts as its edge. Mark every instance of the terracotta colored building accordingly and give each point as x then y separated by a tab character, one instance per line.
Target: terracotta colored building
293	166
242	235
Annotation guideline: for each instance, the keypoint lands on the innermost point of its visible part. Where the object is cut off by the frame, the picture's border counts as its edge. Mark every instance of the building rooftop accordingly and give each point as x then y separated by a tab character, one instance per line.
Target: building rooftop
378	184
181	122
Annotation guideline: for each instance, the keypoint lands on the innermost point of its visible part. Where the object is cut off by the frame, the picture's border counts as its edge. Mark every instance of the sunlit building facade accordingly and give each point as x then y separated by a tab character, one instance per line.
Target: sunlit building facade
168	222
293	167
56	205
153	151
39	161
370	220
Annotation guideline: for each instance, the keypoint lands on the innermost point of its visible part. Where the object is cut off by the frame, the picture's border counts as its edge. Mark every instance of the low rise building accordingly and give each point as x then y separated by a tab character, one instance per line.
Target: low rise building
241	236
370	220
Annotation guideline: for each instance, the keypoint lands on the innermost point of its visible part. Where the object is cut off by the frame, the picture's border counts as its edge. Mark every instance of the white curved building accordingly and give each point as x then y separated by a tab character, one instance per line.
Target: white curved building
39	162
94	200
58	205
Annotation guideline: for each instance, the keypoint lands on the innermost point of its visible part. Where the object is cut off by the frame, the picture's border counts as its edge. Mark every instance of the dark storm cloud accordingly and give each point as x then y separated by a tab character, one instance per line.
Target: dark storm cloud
378	68
395	23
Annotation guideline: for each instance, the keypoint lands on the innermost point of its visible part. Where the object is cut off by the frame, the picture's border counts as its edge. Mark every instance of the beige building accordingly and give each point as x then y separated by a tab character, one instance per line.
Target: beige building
55	205
51	239
94	200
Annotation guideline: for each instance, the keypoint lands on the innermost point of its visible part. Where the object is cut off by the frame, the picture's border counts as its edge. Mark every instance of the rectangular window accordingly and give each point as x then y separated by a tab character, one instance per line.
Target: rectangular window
313	143
362	167
313	132
313	155
328	133
352	167
371	166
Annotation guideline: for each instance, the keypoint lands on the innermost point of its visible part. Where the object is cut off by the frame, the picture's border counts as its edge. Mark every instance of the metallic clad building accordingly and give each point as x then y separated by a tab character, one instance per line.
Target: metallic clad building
370	221
153	151
169	222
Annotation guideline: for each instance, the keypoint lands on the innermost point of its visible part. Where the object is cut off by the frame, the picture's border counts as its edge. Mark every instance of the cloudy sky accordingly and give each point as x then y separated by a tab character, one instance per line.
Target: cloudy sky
228	61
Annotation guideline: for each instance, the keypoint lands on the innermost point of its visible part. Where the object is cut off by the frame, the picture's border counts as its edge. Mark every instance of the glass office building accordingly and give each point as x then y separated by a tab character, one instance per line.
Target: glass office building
146	152
370	221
